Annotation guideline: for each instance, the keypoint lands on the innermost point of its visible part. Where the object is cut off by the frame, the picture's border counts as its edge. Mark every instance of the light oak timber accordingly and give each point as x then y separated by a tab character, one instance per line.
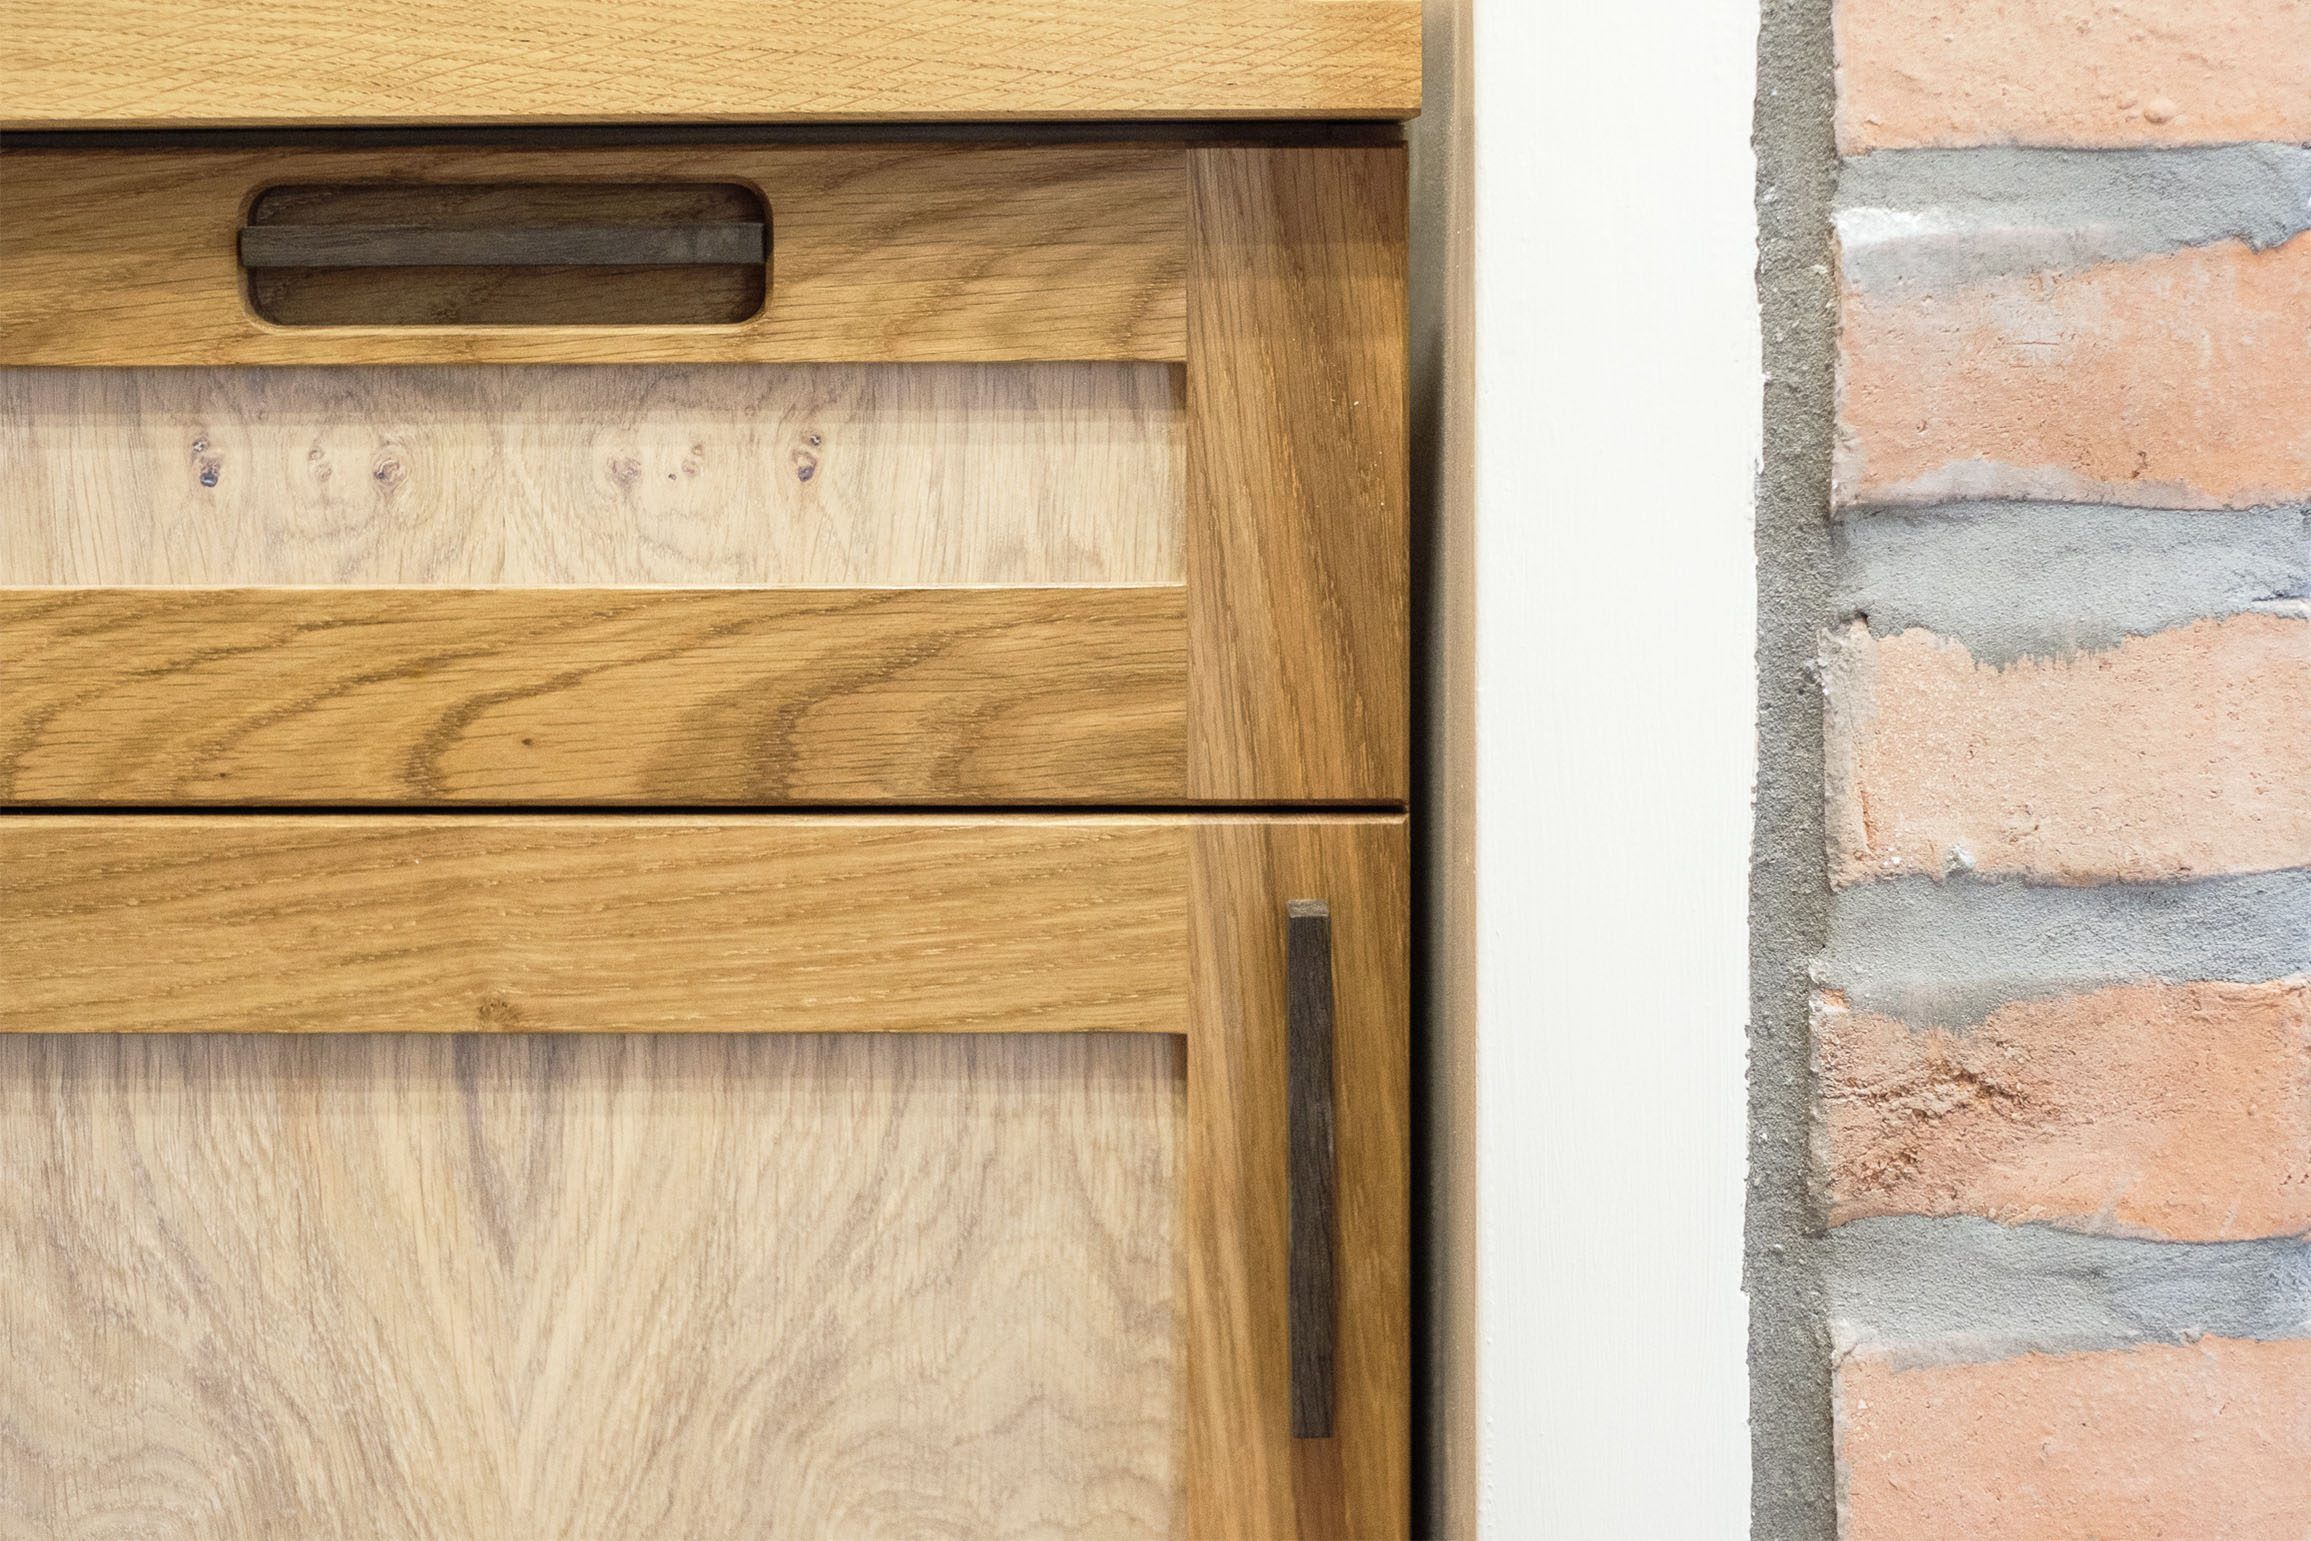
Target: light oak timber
923	924
155	64
1299	539
611	923
887	253
361	696
830	474
521	1288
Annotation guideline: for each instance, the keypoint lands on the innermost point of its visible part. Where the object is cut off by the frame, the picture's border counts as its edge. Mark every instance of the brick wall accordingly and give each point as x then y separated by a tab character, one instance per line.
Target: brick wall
2062	1029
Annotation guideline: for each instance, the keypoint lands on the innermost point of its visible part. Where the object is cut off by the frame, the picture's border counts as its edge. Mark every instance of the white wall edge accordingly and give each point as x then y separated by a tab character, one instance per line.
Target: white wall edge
1618	374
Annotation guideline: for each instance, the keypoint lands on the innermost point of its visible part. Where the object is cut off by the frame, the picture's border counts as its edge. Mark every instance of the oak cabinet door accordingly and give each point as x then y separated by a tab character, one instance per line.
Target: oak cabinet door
918	474
519	1176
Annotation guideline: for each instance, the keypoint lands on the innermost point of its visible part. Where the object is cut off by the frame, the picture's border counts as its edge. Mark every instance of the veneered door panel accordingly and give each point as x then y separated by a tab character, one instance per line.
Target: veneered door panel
527	1287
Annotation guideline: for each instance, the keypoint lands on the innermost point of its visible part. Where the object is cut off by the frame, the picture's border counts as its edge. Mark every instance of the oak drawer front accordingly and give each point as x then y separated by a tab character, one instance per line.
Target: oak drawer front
152	64
1065	474
653	1174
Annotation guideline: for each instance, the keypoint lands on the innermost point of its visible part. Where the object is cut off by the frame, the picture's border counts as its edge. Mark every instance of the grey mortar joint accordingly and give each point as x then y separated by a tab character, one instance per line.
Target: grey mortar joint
1935	219
1948	952
1929	1290
2016	580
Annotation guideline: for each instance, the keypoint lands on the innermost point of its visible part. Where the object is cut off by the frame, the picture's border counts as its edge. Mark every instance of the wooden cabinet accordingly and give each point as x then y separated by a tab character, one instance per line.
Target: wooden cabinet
704	839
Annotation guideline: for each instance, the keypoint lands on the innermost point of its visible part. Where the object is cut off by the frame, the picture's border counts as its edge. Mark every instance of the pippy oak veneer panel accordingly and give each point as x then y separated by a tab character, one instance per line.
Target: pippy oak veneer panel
592	696
525	1288
613	923
157	64
710	474
891	253
1299	536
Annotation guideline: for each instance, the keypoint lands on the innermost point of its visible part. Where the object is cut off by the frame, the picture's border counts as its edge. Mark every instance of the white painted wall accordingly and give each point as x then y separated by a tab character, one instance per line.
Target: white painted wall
1617	390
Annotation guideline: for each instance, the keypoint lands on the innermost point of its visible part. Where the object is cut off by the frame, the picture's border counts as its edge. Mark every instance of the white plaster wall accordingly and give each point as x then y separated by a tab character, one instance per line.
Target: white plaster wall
1617	391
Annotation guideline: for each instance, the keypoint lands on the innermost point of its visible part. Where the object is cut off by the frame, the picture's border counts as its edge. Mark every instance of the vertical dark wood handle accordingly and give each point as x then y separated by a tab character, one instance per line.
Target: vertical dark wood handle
1314	1178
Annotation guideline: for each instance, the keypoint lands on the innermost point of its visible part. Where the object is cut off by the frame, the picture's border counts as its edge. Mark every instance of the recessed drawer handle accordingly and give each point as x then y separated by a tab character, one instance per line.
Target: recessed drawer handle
569	255
1314	1181
707	244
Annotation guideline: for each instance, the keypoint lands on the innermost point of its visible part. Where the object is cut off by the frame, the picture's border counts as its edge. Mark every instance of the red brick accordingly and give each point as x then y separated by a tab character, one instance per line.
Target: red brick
2180	1442
2177	381
2180	754
2072	72
2180	1111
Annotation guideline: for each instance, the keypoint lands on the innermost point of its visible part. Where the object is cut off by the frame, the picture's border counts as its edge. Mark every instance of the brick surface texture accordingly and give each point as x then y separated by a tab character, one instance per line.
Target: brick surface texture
2206	1441
2181	1112
2177	381
2034	347
2085	73
2182	754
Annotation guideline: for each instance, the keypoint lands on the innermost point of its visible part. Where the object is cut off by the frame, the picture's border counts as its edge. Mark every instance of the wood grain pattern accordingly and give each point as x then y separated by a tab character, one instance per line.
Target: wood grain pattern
1249	1478
1298	531
592	696
526	1288
616	923
892	252
153	64
469	477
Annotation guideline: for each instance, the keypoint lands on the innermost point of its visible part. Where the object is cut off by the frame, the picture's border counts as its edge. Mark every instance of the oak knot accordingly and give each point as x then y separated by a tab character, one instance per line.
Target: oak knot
208	465
496	1011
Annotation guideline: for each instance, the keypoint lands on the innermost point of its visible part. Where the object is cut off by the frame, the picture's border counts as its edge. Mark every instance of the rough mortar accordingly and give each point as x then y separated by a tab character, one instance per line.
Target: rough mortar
1948	953
1793	1490
1933	219
1947	1290
2021	580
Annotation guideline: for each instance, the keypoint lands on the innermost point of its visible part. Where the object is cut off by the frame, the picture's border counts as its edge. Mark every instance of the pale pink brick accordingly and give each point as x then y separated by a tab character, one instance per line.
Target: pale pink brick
2176	755
2093	73
2181	1111
2176	381
2209	1441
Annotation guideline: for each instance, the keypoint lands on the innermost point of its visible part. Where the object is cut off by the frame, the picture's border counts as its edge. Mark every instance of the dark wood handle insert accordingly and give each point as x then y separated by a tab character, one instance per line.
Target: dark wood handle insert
1314	1179
417	246
567	254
